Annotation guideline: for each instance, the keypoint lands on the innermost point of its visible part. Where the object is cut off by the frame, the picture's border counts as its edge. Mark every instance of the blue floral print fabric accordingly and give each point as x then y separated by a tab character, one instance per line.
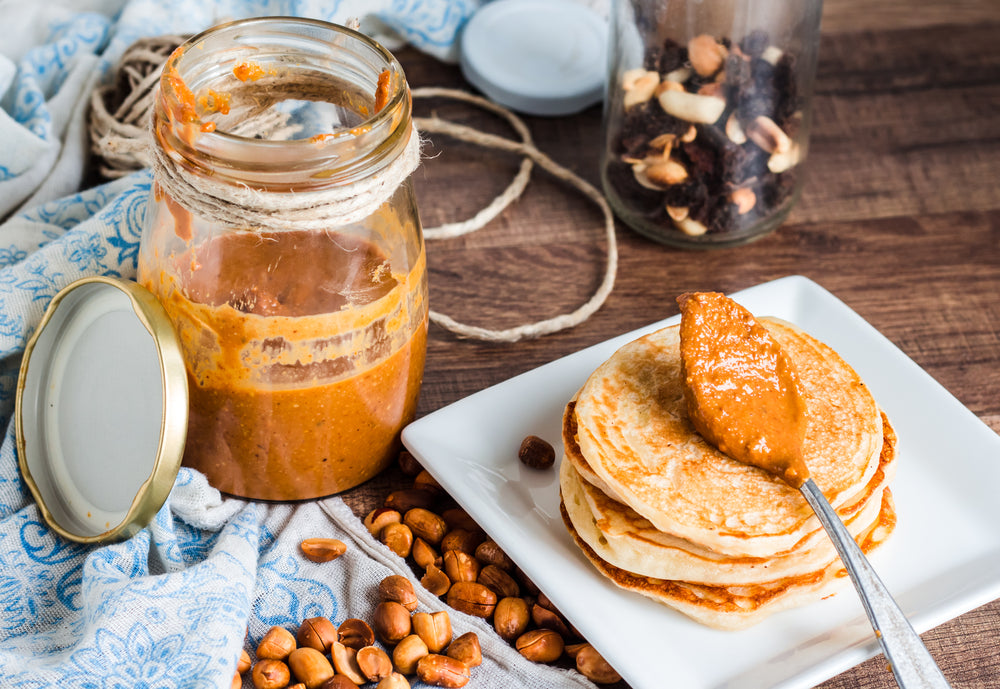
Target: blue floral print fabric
173	606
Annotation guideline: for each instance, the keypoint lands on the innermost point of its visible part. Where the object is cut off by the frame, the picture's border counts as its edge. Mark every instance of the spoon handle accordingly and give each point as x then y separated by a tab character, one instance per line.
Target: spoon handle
911	663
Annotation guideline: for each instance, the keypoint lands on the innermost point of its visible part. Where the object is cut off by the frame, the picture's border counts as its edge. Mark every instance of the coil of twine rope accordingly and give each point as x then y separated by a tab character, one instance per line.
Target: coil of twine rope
120	138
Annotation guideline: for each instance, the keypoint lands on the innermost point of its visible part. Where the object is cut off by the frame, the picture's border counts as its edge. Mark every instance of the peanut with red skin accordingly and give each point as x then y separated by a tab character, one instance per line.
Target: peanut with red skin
391	622
460	566
379	518
316	632
425	524
472	598
398	588
540	645
511	618
594	667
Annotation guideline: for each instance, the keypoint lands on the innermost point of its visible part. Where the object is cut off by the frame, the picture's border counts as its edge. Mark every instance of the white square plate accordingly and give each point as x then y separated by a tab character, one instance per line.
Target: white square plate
943	560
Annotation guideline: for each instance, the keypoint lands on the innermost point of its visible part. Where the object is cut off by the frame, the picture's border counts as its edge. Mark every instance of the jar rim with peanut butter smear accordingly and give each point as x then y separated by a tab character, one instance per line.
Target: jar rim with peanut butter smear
283	241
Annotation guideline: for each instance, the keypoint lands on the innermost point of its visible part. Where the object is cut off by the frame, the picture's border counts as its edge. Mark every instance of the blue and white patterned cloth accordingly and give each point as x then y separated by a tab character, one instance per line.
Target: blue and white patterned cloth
173	606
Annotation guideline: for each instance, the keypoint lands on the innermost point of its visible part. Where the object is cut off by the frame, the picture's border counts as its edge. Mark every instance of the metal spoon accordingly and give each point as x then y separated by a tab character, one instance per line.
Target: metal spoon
911	663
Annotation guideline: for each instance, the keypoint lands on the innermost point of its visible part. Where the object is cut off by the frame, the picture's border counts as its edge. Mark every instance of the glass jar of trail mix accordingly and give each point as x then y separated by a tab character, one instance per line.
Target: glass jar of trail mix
282	238
707	115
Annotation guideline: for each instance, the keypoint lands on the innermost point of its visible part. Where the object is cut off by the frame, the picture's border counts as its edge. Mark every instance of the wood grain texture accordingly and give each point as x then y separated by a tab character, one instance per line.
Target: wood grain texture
900	219
849	16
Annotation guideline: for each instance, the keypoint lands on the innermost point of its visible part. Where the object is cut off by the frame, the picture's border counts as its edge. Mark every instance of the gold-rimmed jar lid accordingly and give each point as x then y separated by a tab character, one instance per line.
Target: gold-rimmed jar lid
101	410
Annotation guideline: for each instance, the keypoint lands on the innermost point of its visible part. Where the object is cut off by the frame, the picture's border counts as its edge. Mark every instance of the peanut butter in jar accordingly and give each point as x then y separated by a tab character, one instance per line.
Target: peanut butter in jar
303	325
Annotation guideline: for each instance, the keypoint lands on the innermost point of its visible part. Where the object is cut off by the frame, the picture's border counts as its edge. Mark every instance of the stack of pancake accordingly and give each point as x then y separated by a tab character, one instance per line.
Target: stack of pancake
660	511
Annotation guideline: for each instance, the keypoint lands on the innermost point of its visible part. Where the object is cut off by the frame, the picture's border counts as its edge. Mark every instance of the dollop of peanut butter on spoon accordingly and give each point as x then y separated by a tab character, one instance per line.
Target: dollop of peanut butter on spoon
742	394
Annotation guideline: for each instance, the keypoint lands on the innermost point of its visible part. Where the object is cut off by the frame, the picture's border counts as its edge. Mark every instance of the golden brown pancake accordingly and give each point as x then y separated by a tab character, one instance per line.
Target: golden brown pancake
628	541
635	436
738	607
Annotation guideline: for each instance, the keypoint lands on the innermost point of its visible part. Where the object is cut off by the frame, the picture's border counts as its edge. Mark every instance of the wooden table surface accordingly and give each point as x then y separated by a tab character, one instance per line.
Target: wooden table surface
900	219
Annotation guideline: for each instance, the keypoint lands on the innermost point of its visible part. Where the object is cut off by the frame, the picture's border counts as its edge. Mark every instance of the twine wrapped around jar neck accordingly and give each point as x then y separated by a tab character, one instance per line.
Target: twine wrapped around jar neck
244	206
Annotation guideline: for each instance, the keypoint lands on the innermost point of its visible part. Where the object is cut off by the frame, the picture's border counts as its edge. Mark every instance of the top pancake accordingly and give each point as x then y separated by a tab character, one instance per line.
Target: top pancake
634	432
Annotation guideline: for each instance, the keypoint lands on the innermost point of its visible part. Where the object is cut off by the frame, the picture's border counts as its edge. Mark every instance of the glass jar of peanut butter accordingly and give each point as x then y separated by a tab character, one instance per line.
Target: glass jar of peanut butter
282	238
707	116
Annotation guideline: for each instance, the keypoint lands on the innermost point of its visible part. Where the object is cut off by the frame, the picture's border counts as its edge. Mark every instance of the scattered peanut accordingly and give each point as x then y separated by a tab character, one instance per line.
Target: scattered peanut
316	632
457	518
243	662
276	644
425	481
536	453
398	588
460	566
434	628
374	663
489	553
472	598
338	682
407	652
498	581
270	674
406	499
511	618
540	645
462	539
310	667
409	464
345	662
435	581
594	667
467	649
391	622
424	555
380	518
425	524
442	671
548	619
394	681
322	549
355	633
398	538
